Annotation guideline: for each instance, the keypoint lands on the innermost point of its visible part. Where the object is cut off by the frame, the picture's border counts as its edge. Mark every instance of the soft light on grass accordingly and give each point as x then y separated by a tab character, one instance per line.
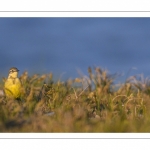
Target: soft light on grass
84	104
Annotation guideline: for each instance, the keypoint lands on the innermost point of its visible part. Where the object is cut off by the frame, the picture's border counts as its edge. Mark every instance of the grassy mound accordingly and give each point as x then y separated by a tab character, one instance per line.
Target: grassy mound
86	104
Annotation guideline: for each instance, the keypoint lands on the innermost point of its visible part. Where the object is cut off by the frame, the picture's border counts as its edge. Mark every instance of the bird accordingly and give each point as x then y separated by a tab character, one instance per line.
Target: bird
12	85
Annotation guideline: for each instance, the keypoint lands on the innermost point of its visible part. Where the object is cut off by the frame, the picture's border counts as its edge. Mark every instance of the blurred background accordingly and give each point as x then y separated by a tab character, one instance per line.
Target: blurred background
65	45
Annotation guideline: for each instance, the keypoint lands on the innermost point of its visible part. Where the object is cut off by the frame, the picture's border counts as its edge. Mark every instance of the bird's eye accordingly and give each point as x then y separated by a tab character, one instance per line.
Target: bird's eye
11	71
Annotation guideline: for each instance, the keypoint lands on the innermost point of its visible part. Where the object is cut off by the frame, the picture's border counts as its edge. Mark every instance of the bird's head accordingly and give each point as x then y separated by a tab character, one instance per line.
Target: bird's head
13	72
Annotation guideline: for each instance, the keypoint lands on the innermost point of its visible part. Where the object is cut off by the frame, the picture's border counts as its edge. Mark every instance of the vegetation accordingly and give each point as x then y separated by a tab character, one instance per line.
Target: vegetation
85	104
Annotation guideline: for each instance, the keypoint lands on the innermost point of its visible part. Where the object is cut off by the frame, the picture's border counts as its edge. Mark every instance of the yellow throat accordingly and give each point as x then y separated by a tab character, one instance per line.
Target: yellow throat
12	86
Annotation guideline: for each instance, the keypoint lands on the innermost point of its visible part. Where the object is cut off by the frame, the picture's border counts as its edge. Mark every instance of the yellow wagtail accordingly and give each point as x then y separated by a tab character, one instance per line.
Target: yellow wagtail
12	86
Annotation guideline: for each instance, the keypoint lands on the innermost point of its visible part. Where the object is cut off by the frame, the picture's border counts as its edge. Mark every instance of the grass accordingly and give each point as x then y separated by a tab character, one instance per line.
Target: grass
86	104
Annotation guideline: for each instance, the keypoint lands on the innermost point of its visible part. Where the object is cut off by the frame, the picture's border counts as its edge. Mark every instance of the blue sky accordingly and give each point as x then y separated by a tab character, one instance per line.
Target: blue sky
64	45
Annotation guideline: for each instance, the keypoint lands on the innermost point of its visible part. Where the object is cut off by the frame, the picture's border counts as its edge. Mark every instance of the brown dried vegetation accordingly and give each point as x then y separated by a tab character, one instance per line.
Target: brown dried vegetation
85	104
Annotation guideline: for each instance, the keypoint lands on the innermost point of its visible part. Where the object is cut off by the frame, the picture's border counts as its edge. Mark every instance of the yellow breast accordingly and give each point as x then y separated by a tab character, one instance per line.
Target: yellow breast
12	88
